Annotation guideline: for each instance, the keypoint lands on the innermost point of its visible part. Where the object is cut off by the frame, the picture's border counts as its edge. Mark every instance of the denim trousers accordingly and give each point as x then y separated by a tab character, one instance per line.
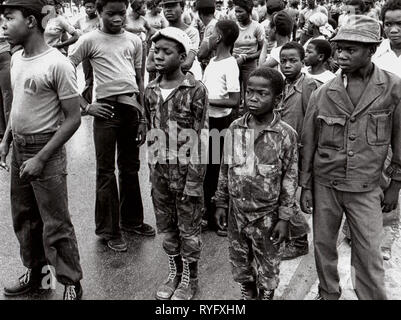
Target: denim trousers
40	214
122	204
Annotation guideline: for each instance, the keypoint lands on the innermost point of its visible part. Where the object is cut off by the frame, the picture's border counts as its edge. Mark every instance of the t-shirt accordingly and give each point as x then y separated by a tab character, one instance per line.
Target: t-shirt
157	22
386	59
136	26
322	77
248	39
55	28
39	84
85	25
166	92
114	58
220	78
275	53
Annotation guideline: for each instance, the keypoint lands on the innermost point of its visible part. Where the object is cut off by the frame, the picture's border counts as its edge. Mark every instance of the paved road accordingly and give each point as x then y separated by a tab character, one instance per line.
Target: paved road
137	273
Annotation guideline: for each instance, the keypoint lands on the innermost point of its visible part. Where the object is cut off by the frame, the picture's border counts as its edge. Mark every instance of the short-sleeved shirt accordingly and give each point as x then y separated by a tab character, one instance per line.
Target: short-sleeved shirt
85	25
39	84
220	78
249	37
386	59
323	77
55	28
114	58
136	26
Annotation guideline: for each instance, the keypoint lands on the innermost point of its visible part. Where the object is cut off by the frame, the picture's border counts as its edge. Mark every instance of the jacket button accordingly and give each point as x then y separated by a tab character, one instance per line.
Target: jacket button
243	199
352	119
351	153
352	137
365	185
335	183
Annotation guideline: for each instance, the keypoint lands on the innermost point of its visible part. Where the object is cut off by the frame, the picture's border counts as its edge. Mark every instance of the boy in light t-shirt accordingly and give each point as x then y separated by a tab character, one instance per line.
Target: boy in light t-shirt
221	78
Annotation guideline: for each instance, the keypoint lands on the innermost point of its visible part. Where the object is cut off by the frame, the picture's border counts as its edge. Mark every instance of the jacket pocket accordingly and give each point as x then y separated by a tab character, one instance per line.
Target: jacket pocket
332	131
378	129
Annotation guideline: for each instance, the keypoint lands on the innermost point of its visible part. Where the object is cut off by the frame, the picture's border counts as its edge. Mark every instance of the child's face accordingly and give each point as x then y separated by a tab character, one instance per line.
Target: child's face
166	56
14	26
90	9
392	26
214	38
260	98
172	12
312	57
113	16
290	63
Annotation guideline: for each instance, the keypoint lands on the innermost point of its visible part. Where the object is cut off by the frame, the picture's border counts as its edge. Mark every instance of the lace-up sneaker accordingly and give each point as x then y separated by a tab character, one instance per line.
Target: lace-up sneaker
29	281
73	292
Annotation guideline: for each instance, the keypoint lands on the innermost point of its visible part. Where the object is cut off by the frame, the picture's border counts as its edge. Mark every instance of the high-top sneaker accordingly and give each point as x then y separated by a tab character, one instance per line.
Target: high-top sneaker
166	290
249	291
189	282
266	294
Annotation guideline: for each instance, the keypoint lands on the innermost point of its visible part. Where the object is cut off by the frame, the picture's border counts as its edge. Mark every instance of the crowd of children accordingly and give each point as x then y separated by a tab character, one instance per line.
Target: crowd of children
297	108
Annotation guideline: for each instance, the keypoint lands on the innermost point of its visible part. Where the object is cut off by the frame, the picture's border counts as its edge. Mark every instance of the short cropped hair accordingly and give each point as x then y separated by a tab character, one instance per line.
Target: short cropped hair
88	1
296	46
322	47
272	75
100	4
247	5
206	11
229	30
390	5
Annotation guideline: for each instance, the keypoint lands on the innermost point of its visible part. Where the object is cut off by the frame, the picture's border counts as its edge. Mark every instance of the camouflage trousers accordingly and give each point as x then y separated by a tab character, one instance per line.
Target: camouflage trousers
253	256
179	220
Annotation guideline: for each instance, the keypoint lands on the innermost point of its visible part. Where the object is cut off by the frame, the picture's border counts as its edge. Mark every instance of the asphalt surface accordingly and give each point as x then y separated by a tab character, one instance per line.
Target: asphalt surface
137	273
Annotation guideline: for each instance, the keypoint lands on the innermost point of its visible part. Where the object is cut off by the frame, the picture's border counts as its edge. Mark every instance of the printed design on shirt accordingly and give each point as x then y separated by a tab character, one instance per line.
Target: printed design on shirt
30	87
127	54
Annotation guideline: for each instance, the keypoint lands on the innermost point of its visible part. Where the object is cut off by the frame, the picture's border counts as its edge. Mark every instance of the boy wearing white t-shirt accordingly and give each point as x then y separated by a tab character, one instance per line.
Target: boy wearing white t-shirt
221	79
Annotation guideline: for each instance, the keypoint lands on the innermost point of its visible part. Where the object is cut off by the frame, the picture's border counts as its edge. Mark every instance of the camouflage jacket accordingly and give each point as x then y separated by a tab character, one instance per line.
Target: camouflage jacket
176	137
259	175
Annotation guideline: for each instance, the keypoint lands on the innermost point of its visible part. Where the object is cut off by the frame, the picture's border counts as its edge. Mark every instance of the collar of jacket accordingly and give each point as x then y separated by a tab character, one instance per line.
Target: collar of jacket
296	87
337	93
189	81
272	126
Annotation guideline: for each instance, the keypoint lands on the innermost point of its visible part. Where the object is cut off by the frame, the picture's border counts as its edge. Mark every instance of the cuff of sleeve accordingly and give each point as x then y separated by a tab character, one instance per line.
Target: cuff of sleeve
285	213
193	189
220	203
305	180
394	171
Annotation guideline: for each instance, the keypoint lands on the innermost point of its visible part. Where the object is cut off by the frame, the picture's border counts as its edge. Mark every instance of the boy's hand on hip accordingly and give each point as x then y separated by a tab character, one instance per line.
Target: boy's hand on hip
306	201
391	195
101	110
220	217
31	169
280	232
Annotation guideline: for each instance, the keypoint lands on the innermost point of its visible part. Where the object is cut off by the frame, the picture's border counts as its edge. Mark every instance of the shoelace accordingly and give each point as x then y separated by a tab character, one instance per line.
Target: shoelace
185	274
70	293
267	295
244	293
172	267
26	277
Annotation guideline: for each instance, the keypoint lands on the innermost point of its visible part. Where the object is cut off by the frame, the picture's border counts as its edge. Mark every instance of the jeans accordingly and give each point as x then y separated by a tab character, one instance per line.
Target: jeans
213	168
6	96
124	203
40	213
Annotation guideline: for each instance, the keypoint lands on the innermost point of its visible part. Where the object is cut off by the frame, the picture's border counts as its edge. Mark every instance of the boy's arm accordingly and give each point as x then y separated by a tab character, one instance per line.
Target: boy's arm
289	181
391	195
197	165
150	65
33	167
80	52
221	197
309	139
232	102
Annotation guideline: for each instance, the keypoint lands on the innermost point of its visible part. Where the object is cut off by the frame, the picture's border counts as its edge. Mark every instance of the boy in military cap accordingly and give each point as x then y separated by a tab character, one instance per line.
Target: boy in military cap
349	125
